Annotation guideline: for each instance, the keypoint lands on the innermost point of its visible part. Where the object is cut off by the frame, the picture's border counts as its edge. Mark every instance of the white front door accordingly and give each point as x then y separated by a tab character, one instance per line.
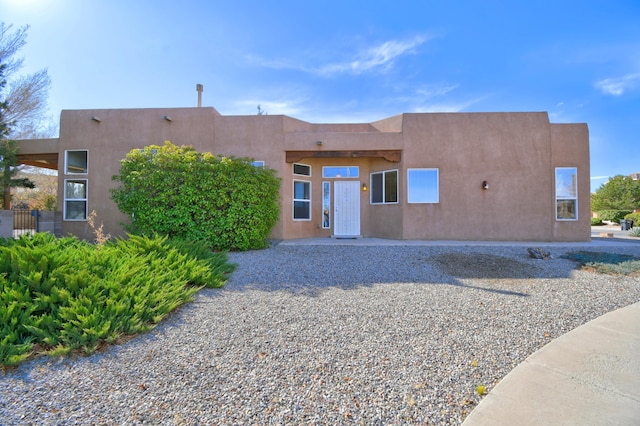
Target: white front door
346	208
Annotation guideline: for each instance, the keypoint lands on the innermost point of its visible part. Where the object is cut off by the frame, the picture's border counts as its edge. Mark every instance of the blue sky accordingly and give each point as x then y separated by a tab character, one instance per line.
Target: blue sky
348	61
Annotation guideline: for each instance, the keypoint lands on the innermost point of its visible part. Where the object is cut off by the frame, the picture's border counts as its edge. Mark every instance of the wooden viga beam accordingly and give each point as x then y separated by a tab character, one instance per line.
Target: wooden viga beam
392	155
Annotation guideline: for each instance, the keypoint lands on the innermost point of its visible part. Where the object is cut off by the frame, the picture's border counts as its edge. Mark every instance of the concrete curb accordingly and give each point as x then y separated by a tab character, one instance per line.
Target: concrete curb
590	375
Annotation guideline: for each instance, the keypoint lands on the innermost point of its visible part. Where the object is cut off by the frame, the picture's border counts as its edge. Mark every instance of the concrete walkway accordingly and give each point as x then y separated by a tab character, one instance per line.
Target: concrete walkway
619	238
589	376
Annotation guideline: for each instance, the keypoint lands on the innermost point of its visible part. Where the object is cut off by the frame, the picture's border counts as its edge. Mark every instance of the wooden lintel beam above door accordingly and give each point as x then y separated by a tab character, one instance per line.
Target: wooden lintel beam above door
392	155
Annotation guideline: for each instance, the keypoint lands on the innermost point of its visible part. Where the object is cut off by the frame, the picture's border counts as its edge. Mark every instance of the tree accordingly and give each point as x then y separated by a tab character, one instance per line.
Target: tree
619	193
4	124
176	191
45	194
22	109
8	179
8	152
26	95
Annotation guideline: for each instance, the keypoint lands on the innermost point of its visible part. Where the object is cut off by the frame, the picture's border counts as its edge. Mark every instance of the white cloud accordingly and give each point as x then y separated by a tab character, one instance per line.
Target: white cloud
432	91
617	86
381	56
250	106
449	106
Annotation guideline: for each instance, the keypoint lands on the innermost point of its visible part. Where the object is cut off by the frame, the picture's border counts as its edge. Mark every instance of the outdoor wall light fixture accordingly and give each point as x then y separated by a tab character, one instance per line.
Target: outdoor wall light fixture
364	187
319	143
96	119
485	185
166	117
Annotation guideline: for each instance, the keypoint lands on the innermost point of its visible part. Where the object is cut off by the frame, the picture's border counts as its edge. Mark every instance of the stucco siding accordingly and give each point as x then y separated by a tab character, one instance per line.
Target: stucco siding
510	151
570	148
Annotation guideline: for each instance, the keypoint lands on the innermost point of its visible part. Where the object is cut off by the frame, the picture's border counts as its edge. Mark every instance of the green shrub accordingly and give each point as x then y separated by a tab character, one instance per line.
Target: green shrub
613	215
635	217
635	232
175	191
596	221
606	263
65	294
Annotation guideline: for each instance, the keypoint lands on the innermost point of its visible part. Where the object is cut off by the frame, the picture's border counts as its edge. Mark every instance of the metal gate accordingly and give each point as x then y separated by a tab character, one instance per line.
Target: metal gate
25	222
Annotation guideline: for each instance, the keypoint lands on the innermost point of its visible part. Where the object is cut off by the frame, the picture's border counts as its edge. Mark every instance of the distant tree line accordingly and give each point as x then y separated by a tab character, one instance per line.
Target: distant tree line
616	198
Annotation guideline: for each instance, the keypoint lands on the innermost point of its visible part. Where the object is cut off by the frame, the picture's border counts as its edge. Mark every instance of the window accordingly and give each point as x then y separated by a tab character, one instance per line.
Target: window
257	164
326	205
75	199
301	169
422	186
341	172
301	200
76	162
566	193
384	187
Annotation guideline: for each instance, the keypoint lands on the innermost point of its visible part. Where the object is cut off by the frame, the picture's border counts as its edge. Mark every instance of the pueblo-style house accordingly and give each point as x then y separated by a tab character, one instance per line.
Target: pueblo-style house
430	176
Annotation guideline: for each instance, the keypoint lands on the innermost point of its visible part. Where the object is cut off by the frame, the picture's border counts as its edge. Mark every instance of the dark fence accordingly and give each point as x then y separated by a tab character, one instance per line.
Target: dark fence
25	221
18	222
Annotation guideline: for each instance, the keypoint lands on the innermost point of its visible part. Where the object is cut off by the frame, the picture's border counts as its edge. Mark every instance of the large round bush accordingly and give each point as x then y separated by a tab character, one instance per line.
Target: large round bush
176	191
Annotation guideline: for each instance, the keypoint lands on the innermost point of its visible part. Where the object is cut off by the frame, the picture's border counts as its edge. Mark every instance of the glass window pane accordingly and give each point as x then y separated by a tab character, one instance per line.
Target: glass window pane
422	186
301	191
376	188
301	210
76	162
566	184
326	205
335	172
75	210
75	189
301	169
391	187
566	209
341	172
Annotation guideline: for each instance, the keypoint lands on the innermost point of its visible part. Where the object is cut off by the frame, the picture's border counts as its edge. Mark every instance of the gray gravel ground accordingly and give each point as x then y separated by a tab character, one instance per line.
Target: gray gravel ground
328	335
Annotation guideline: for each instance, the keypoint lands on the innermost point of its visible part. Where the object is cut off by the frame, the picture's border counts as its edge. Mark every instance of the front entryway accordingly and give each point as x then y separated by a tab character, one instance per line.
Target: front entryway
346	209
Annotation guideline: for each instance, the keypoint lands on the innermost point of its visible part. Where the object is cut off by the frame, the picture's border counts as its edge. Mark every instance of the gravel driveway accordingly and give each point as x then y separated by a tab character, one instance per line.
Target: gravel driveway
328	335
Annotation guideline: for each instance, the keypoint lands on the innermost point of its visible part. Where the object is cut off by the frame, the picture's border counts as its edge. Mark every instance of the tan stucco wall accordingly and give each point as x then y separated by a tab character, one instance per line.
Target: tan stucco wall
570	148
515	152
511	151
38	146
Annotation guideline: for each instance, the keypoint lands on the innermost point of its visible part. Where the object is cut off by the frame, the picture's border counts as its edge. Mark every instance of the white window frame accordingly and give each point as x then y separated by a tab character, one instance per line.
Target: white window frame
68	199
349	176
326	205
300	200
66	162
560	197
257	163
384	179
409	195
293	169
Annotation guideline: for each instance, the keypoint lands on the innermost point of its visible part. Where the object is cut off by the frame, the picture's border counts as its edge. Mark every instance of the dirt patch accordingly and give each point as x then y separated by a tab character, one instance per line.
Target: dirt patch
462	265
